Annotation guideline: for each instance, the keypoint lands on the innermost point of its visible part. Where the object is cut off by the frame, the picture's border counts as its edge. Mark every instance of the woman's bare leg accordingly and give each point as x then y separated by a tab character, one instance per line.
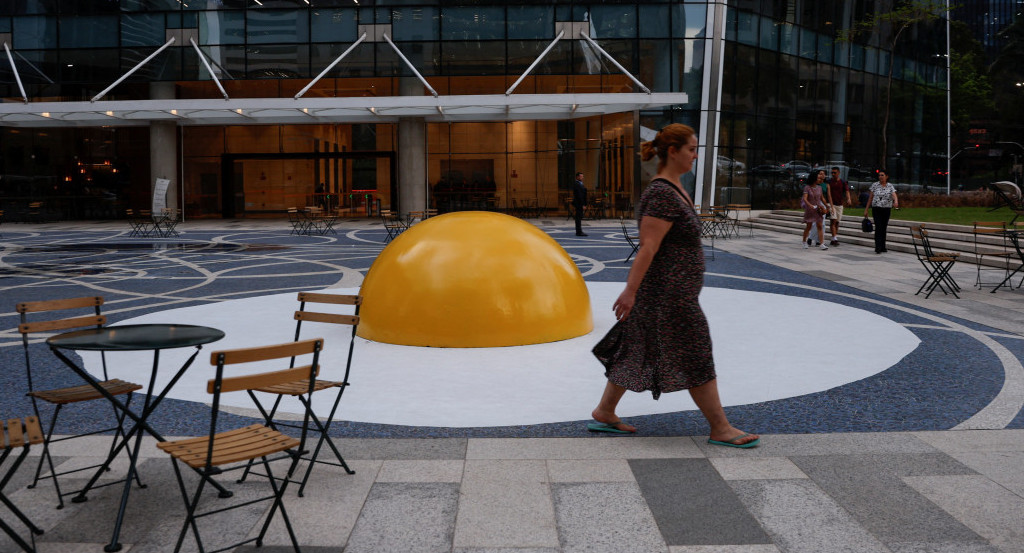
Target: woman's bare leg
821	234
706	398
605	411
807	232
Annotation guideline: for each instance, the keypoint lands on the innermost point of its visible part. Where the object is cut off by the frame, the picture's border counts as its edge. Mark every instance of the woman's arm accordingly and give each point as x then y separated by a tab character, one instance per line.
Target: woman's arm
871	196
652	232
895	200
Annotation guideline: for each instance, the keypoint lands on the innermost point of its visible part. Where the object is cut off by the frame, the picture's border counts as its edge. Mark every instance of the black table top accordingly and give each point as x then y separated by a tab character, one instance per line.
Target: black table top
136	337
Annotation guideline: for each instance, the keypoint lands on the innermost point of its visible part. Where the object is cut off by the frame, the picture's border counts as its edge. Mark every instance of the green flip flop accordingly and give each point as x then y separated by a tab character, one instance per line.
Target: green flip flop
610	427
732	442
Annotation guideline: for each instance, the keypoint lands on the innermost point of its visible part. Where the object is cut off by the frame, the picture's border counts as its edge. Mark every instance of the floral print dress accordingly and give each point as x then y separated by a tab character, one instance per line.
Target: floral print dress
664	345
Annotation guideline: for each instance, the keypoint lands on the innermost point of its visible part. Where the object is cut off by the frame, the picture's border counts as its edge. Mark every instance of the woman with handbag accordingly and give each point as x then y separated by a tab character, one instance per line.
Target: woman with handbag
661	341
882	199
813	201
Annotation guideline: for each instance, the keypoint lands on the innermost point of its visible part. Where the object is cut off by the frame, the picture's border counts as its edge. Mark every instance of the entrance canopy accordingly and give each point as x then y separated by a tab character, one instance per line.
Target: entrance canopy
271	111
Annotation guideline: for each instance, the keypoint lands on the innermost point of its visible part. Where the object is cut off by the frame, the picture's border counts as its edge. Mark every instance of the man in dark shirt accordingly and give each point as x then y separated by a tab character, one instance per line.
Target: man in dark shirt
839	192
579	202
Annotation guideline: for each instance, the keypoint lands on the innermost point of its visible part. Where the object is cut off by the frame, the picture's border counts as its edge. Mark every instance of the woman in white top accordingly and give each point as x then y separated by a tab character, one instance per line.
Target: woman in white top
882	200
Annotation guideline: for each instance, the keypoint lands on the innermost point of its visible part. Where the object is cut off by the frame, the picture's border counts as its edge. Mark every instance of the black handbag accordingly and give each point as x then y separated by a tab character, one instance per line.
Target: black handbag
866	225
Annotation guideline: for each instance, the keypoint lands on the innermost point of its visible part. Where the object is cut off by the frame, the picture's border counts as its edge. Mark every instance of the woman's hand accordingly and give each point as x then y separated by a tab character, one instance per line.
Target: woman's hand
624	304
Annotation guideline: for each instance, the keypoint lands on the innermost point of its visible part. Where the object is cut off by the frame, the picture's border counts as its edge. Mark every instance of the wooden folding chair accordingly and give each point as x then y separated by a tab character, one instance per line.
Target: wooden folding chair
632	239
994	229
221	452
15	434
59	397
298	389
937	264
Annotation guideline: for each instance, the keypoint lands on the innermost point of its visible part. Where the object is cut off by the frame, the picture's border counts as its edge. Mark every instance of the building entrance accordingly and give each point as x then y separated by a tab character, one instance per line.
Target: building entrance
253	184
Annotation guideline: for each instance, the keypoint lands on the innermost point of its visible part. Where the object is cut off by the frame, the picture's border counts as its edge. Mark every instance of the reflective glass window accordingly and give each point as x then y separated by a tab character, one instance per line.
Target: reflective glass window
531	22
415	23
690	20
857	57
149	5
333	25
654	21
473	58
615	21
185	20
143	29
808	43
88	31
31	33
5	25
825	49
223	27
746	27
788	42
27	7
655	70
276	26
688	64
277	61
476	23
769	33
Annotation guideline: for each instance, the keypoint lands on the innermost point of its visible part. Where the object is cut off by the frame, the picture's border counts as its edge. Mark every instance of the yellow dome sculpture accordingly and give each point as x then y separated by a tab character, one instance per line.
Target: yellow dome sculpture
473	279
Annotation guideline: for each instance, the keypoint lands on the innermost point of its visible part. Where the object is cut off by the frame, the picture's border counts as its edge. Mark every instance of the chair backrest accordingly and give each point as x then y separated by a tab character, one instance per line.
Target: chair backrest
221	384
18	433
917	238
333	318
30	325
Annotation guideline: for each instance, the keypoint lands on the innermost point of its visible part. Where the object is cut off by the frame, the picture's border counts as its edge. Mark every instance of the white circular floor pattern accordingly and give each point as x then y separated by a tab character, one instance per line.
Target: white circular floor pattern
767	347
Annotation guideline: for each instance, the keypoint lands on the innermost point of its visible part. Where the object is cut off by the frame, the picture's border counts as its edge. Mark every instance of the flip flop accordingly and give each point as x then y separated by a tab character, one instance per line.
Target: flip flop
610	427
732	442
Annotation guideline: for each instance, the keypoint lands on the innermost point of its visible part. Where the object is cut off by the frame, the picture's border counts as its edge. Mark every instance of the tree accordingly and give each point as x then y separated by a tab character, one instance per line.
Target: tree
903	16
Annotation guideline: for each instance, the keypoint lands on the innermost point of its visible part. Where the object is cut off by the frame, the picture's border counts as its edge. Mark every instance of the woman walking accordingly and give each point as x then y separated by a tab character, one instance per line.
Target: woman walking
661	341
814	201
882	199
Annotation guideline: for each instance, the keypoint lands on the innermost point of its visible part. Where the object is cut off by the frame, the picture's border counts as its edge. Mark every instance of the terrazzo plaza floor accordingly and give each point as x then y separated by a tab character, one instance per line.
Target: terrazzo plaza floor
864	465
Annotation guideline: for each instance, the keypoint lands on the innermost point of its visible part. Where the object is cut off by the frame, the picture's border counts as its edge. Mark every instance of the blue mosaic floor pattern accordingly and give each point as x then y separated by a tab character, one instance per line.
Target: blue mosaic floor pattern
946	380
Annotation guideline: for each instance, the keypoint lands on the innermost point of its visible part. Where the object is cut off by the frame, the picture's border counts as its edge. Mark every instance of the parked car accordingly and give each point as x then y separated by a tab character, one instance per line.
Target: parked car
726	164
799	170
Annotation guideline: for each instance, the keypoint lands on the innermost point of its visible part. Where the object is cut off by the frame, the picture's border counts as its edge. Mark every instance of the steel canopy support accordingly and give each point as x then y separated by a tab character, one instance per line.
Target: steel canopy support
208	68
615	63
535	62
331	66
133	70
17	77
408	64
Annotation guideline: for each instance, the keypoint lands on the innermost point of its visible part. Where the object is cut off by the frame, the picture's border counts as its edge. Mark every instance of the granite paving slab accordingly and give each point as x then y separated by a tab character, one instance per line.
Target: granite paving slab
606	517
800	518
406	516
980	504
871	489
693	505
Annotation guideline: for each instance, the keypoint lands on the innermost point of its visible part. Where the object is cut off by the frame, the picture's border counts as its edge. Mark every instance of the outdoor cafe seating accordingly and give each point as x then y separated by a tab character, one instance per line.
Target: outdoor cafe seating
223	451
75	313
300	388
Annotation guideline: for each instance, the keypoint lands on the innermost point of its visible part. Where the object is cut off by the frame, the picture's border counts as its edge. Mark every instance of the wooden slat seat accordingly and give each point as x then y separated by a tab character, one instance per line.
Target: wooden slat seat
85	392
232	446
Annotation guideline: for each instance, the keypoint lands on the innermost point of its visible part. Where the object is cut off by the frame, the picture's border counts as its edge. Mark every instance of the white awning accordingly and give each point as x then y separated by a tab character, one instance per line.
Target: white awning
275	111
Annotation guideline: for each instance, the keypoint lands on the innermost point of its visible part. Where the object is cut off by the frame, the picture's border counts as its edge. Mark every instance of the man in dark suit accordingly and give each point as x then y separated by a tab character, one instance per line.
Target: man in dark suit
579	201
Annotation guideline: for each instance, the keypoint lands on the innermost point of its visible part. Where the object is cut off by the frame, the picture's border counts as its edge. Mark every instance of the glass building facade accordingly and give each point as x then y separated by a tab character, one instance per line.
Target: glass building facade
260	104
